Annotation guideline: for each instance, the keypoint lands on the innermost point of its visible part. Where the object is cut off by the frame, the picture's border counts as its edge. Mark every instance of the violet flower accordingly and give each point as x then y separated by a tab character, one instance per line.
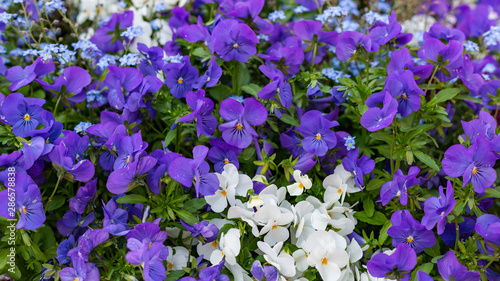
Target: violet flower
79	270
72	220
128	149
186	171
238	130
180	77
88	241
348	43
376	118
221	154
475	164
202	108
153	59
73	79
233	40
381	33
439	31
488	226
120	81
406	229
451	269
448	56
358	167
287	59
120	180
21	77
399	185
396	265
194	32
314	38
207	232
437	208
277	86
211	76
264	273
402	60
107	37
317	133
24	114
115	219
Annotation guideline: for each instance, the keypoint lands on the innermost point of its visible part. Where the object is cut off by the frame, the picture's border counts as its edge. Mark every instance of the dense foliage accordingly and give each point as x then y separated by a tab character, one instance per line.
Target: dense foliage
249	140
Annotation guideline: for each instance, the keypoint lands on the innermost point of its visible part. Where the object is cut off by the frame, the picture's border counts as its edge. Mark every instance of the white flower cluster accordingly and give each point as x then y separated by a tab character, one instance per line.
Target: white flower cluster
319	228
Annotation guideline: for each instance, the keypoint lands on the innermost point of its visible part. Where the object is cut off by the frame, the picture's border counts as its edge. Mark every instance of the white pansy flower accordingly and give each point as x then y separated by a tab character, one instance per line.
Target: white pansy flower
231	184
229	247
302	182
335	189
177	260
284	262
275	221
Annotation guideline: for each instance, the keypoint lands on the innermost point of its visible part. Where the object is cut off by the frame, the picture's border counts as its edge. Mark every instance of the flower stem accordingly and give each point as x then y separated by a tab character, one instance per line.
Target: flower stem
55	188
457	230
491	261
430	80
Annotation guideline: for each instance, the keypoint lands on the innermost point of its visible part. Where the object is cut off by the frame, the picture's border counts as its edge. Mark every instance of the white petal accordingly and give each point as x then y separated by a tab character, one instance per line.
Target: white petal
218	201
295	189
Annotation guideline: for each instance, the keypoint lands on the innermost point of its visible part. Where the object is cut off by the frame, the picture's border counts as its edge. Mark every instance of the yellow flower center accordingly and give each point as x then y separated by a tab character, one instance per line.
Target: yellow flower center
318	136
150	244
405	96
275	226
409	239
27	117
214	244
301	186
324	261
128	159
239	126
339	191
474	171
170	266
235	45
224	193
180	80
208	79
226	161
24	210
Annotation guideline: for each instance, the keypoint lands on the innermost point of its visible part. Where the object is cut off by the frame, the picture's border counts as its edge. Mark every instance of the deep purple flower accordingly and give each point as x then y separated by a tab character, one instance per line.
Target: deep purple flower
349	41
150	84
153	59
233	40
465	230
439	31
186	171
475	164
120	81
120	180
376	118
194	32
68	155
266	272
402	60
471	80
450	56
115	219
221	154
147	232
128	149
399	185
202	108
63	249
24	114
287	59
208	231
451	269
406	229
437	208
79	270
211	76
399	263
338	97
160	169
476	22
180	77
317	133
483	127
358	167
238	130
72	220
488	226
247	11
21	77
150	256
381	32
28	201
107	37
74	79
314	38
179	18
88	241
277	86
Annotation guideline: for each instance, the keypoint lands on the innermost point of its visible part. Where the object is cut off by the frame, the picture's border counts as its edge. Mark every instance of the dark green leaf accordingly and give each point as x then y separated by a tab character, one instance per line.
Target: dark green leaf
426	159
55	203
131	199
444	95
290	120
377	219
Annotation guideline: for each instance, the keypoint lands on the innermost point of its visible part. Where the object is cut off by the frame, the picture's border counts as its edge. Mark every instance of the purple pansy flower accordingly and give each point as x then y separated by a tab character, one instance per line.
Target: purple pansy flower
74	79
180	77
221	154
439	31
376	118
115	219
186	171
194	32
79	270
238	130
358	167
489	87
120	180
449	56
72	220
381	32
451	269
88	241
202	108
107	37
28	201
399	185
277	86
488	226
128	149
266	272
475	164
437	208
21	77
396	265
287	59
317	133
24	114
150	256
211	76
247	11
120	81
314	38
349	41
208	231
402	60
233	40
406	229
153	59
63	249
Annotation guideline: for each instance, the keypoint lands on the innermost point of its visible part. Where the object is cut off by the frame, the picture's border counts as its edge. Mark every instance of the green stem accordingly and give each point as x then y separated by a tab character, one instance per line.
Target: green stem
432	77
314	55
458	233
55	189
491	261
57	103
392	149
367	70
236	70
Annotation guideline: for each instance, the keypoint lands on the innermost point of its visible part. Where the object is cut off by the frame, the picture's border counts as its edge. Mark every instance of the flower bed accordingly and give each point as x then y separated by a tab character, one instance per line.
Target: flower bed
249	140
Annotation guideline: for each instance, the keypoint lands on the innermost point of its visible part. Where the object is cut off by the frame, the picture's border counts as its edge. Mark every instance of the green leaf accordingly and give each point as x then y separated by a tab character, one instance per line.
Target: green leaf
375	184
369	206
132	199
490	192
290	120
55	203
385	137
377	219
383	232
252	89
186	216
444	95
201	52
194	204
170	137
175	275
434	250
426	159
